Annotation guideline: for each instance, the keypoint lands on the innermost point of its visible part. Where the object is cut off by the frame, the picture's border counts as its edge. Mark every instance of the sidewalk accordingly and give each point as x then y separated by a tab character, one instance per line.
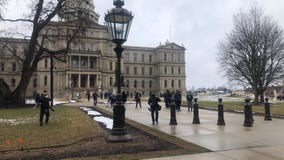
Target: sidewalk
263	141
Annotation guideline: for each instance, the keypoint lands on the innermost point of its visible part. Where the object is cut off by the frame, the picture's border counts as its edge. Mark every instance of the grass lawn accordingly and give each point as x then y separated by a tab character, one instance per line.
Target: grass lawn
20	128
71	134
275	108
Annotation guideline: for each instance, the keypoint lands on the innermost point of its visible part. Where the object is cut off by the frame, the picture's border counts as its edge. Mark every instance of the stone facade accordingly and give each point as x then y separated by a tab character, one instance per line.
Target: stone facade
91	62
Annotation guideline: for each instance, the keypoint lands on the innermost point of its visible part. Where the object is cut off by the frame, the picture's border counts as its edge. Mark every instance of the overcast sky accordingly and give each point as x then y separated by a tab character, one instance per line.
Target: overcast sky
197	24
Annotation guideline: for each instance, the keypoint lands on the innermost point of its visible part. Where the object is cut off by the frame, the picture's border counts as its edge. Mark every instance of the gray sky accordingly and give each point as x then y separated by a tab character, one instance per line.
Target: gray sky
197	24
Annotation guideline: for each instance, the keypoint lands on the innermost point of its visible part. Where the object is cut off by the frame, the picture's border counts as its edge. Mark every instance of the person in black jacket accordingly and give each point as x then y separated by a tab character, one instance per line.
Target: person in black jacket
44	102
189	99
167	98
177	97
153	101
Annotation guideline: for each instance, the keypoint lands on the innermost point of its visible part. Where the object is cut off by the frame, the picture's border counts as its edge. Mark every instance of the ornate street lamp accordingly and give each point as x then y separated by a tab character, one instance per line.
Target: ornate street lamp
118	21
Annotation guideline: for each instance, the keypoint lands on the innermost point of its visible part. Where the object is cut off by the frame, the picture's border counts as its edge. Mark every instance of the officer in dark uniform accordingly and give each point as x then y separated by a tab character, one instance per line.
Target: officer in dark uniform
153	101
44	102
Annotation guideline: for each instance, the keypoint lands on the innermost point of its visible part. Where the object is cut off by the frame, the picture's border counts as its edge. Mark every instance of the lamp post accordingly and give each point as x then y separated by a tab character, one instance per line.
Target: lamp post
118	21
51	79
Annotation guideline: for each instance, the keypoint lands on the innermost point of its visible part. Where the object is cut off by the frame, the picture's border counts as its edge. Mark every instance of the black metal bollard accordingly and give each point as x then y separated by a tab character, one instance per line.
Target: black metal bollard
248	113
195	112
173	120
221	120
267	116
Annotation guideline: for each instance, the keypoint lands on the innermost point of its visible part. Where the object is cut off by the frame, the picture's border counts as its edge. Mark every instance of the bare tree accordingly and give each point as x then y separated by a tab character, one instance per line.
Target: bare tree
253	53
43	11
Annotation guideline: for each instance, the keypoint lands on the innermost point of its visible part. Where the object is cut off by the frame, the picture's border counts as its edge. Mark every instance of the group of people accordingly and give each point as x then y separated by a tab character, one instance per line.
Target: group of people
45	102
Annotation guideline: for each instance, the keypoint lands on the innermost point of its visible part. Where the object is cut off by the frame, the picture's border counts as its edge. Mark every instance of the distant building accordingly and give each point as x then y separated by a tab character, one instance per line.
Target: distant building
91	62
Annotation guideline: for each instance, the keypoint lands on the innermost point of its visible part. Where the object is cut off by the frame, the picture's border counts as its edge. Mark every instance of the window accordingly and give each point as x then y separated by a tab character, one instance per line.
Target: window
179	70
45	81
178	57
75	46
127	83
13	82
143	57
150	84
126	57
165	56
135	84
135	70
173	84
150	70
45	63
110	81
2	65
172	56
110	66
143	84
92	62
150	58
14	51
75	61
14	67
165	70
84	62
173	70
165	83
143	70
179	83
34	83
127	70
135	57
83	46
92	47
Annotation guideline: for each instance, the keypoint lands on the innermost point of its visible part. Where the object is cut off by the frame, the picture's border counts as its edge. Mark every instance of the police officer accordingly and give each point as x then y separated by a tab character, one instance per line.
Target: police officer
154	107
44	102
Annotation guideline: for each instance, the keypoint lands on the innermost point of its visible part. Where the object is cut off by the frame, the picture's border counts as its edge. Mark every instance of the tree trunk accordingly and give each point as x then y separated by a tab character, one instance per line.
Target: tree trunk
256	95
19	93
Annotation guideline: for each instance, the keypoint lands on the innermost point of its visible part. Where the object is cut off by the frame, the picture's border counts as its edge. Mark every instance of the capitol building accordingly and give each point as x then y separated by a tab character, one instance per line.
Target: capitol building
90	63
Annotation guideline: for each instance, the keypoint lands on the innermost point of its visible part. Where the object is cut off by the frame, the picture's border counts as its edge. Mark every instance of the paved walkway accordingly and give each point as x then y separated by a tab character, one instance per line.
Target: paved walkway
263	141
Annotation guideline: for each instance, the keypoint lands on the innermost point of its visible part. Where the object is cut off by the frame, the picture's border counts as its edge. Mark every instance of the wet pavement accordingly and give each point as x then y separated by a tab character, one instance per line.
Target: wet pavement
265	140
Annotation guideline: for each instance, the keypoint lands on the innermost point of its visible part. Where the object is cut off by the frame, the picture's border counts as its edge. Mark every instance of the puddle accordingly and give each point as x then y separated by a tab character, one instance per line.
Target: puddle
98	117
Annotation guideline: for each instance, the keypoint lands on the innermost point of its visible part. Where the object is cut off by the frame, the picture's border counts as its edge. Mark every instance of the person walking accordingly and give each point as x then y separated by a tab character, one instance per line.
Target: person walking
167	98
153	101
45	103
124	97
138	99
189	99
88	94
95	98
177	97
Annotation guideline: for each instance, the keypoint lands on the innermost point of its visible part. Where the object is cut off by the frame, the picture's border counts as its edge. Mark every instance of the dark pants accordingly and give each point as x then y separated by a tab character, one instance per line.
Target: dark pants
178	103
95	101
138	102
167	103
42	113
154	114
189	105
